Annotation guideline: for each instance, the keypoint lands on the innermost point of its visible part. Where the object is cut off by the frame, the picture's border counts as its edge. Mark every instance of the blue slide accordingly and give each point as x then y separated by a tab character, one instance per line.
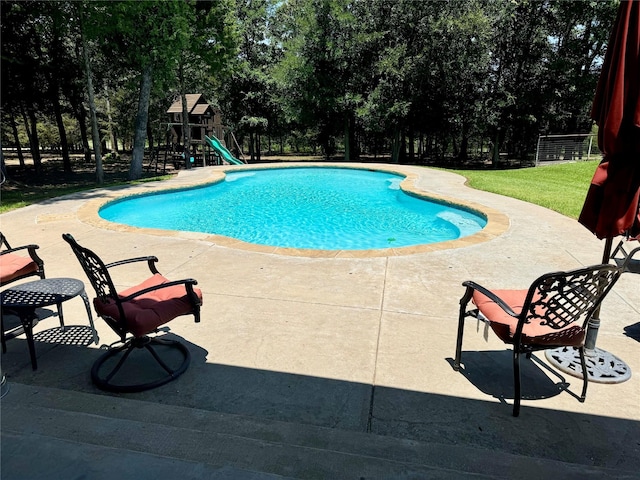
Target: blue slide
221	150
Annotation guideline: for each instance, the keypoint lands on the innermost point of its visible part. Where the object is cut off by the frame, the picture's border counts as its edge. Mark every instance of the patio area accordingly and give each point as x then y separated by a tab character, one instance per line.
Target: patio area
320	366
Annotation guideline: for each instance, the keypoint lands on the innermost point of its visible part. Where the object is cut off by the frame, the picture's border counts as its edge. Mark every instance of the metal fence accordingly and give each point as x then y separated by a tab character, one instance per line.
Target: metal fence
566	148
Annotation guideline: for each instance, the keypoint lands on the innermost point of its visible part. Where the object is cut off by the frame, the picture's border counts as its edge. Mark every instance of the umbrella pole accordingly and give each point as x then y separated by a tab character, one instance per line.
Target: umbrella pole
594	322
602	366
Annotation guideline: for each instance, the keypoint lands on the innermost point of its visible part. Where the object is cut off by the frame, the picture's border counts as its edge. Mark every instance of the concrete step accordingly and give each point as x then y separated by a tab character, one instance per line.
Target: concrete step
52	433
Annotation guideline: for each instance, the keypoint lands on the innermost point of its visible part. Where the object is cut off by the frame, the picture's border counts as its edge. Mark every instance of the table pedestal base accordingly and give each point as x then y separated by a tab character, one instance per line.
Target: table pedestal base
602	366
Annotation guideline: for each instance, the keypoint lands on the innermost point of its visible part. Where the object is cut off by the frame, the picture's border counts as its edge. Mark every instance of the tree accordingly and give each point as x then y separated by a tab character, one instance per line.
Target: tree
23	81
461	58
367	73
145	38
158	39
90	93
50	32
209	45
394	54
248	96
316	70
578	40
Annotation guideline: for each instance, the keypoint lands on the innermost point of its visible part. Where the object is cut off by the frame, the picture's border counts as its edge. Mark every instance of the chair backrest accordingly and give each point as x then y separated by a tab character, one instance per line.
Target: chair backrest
561	298
96	271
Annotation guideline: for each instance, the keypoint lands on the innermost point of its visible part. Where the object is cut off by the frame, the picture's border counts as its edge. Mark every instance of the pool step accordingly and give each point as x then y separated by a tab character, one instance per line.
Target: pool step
52	433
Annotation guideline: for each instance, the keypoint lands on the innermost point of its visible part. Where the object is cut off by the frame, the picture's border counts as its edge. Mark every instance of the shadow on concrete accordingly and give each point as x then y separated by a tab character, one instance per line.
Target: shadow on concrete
491	372
633	331
409	415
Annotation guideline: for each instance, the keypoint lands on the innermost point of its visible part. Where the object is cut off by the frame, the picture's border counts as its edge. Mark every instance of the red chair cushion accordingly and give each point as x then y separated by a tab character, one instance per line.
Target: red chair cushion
533	333
148	311
14	266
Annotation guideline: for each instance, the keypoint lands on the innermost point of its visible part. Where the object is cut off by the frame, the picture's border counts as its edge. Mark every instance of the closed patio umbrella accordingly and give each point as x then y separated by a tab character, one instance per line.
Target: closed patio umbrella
612	205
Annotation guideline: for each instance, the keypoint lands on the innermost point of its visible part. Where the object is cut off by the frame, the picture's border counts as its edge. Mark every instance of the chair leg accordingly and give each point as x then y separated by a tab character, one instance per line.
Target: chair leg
154	354
585	374
107	382
461	316
516	382
27	326
4	341
617	249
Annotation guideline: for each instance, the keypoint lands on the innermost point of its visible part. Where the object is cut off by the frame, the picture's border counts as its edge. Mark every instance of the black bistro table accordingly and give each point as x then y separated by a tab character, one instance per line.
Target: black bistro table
25	298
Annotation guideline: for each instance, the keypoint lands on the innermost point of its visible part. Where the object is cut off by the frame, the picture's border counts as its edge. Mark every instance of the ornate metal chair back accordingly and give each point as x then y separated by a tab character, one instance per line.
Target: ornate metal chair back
559	299
98	276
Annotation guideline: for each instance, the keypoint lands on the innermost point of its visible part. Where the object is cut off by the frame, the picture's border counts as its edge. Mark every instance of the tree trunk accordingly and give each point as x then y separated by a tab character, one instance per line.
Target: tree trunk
464	144
140	135
495	157
347	140
456	151
395	145
112	135
14	129
66	160
186	129
251	149
412	146
92	106
84	135
34	142
150	137
3	168
25	122
81	117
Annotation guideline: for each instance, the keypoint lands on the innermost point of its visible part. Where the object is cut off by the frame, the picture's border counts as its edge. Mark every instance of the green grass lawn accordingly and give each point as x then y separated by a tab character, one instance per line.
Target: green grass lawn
561	188
24	195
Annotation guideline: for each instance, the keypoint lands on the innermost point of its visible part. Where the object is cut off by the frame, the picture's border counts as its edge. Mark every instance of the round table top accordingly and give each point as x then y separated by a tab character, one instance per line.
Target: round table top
40	293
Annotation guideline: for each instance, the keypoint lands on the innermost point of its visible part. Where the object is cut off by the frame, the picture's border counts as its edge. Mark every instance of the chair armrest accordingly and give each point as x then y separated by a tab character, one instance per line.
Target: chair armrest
188	283
151	261
488	293
31	250
11	250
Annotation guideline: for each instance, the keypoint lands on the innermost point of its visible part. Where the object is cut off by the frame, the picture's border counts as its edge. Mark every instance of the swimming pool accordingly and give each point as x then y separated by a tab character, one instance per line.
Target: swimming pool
324	208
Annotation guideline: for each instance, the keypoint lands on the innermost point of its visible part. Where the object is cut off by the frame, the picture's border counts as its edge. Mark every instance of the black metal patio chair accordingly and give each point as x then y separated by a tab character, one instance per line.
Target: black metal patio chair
14	265
553	312
626	258
137	311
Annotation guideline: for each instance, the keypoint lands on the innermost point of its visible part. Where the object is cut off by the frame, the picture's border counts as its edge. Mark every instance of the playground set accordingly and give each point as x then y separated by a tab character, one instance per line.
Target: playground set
207	145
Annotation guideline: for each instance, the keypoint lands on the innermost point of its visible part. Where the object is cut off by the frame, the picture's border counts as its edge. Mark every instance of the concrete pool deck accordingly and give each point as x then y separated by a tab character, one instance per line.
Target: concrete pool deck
320	366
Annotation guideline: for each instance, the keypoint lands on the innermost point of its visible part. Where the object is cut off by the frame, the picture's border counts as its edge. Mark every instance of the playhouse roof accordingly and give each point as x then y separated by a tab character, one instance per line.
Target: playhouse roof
196	104
200	108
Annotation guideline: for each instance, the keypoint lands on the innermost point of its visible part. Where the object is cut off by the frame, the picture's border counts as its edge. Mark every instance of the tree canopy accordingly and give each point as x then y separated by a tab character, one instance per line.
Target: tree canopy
414	80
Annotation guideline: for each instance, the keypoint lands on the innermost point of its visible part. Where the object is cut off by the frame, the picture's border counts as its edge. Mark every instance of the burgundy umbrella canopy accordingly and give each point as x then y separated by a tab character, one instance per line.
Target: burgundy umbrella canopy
611	206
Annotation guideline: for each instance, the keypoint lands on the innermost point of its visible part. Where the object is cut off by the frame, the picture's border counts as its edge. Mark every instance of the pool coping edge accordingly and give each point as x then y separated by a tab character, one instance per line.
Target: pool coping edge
497	222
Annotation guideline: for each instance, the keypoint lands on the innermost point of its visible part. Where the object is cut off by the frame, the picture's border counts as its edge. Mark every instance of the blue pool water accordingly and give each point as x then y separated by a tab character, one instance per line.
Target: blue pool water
311	207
